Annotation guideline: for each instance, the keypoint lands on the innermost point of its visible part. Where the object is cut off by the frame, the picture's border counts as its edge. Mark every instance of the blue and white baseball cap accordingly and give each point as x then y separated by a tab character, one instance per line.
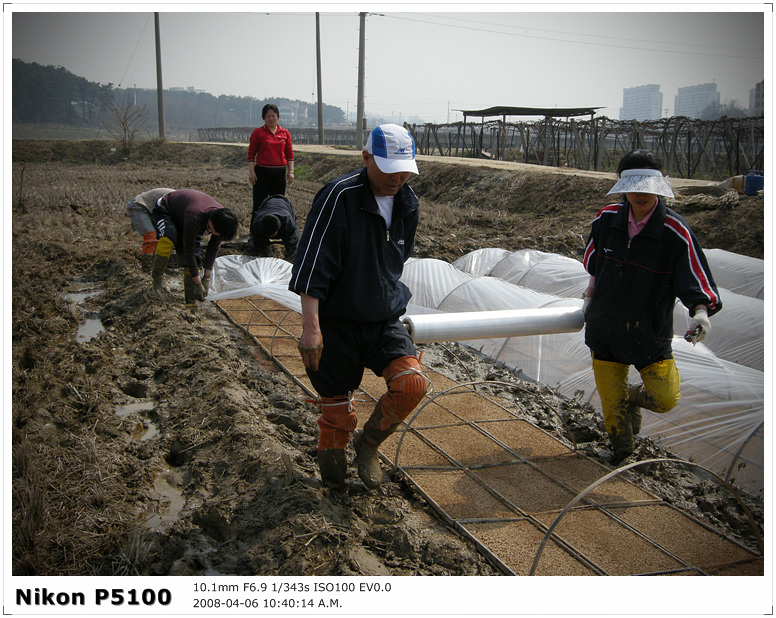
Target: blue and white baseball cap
393	148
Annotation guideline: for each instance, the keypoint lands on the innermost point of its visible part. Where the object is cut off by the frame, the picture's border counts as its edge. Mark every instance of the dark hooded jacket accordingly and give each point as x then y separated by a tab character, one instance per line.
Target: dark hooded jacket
638	280
280	207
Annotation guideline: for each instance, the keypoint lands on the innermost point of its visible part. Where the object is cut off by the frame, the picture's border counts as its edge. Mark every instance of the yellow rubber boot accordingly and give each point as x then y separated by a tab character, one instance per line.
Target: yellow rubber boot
660	390
611	380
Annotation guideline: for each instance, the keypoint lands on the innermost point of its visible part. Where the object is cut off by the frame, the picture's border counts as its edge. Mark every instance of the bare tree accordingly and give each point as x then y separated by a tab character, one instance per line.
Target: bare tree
731	109
127	119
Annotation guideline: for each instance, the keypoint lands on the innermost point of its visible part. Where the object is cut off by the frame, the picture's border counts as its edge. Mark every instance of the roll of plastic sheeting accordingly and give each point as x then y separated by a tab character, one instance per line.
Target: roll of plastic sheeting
489	324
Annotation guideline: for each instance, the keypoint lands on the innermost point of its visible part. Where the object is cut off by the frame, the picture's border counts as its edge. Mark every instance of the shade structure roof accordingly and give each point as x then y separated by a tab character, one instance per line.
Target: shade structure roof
505	110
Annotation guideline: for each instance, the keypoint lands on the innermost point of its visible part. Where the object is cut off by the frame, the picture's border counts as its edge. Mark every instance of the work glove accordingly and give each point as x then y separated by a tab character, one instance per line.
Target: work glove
585	302
700	326
206	283
200	292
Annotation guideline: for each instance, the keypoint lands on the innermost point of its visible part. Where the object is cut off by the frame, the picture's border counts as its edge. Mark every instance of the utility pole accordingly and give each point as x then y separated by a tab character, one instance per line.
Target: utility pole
360	102
318	58
159	89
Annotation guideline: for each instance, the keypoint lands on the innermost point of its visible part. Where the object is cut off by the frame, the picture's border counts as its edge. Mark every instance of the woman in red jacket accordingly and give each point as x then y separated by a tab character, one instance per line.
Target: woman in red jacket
270	158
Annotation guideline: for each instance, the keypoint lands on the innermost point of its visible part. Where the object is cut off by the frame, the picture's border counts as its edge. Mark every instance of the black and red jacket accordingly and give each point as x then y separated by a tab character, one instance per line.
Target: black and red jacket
348	259
638	280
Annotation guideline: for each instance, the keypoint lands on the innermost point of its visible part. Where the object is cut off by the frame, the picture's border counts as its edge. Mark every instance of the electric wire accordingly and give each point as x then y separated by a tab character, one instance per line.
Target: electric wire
561	40
142	32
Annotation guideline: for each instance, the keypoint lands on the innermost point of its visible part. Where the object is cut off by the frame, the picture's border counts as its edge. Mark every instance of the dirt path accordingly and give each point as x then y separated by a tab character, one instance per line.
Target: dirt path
168	444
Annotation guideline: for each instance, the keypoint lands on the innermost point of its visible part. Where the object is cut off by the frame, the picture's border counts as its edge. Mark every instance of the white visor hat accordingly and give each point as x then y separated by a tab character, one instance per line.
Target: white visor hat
643	181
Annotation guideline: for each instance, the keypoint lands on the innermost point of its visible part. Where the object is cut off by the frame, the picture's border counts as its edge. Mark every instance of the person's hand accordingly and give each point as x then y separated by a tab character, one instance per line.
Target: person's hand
585	302
252	175
700	326
290	178
199	292
310	348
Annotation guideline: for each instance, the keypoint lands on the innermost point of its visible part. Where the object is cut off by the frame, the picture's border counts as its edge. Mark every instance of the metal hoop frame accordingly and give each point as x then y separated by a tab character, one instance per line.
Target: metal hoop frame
619	471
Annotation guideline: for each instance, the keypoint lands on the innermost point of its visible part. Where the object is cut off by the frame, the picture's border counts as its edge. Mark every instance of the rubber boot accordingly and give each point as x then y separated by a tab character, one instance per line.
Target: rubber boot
611	380
333	466
188	290
148	250
621	450
635	396
367	446
406	387
621	437
157	277
146	262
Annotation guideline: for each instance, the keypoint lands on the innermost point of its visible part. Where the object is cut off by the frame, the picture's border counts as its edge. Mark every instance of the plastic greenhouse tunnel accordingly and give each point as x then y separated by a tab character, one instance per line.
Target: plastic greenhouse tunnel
718	422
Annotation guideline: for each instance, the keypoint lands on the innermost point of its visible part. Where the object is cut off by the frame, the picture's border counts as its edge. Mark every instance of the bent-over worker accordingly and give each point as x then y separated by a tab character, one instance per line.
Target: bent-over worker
182	218
274	219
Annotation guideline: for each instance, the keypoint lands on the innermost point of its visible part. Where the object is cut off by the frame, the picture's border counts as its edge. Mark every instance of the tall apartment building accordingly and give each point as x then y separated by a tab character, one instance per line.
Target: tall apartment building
690	101
293	113
642	103
757	100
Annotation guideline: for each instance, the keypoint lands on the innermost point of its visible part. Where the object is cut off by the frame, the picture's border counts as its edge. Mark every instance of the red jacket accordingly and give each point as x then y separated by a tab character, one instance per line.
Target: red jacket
270	150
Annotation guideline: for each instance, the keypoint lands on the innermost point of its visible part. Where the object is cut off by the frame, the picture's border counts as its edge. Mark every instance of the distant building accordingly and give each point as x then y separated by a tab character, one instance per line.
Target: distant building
293	113
757	100
642	103
690	101
186	89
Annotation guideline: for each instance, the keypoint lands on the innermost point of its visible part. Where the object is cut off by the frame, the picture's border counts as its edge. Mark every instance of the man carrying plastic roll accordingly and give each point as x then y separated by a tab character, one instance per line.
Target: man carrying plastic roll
359	233
641	257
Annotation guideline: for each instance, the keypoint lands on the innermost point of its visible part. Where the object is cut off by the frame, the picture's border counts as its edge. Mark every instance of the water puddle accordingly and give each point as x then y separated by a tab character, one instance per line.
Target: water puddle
144	430
79	293
141	433
91	327
169	507
131	408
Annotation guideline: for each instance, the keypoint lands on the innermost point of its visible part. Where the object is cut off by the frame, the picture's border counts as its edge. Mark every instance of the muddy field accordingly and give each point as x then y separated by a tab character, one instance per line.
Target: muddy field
149	439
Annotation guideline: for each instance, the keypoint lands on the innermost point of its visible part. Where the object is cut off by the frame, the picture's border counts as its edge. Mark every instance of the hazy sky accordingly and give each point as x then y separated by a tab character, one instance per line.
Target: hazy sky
423	63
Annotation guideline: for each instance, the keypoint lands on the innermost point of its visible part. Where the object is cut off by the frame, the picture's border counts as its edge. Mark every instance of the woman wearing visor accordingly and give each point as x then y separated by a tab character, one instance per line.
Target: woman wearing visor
641	257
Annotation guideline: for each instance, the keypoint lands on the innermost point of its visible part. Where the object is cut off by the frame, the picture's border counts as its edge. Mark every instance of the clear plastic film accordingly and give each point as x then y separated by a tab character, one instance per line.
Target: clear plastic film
740	274
718	421
737	332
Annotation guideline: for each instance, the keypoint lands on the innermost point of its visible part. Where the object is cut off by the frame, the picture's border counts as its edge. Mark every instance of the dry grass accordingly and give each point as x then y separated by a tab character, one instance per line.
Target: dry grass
80	487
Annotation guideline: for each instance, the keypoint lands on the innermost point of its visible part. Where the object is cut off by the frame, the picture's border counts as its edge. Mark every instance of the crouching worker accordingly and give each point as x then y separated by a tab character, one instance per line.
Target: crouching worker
139	211
641	256
182	218
274	219
359	233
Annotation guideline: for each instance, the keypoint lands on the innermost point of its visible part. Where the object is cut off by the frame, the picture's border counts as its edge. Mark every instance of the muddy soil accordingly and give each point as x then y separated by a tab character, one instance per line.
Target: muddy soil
151	439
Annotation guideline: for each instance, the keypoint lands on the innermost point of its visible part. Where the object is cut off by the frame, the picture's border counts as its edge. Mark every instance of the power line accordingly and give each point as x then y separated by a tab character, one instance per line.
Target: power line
545	38
142	32
597	36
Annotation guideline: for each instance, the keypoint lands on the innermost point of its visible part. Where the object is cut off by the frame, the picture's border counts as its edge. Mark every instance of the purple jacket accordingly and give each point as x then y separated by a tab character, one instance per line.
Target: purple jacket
190	211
